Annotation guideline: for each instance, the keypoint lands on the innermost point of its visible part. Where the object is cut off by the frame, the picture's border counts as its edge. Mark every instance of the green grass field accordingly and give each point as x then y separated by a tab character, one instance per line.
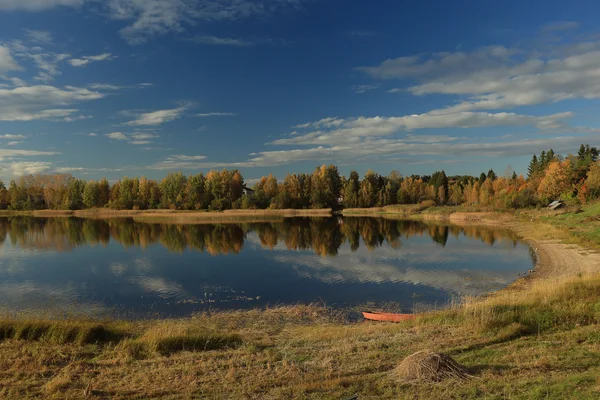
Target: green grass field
583	225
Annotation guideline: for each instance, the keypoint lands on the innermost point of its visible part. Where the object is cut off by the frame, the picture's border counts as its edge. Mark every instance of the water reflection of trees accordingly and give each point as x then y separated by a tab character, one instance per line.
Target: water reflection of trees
324	236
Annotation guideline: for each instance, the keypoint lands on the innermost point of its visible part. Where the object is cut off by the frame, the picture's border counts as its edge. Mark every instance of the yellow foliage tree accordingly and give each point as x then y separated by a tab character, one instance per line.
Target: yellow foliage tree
593	180
556	180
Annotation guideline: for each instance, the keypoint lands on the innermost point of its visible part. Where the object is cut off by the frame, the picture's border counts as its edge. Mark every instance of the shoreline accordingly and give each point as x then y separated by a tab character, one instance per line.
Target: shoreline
177	217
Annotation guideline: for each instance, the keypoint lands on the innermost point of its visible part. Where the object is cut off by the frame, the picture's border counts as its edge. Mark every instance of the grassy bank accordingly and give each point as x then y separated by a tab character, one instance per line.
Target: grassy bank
538	339
174	216
225	216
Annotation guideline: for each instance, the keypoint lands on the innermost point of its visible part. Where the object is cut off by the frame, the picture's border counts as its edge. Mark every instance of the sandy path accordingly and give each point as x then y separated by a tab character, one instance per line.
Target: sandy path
559	260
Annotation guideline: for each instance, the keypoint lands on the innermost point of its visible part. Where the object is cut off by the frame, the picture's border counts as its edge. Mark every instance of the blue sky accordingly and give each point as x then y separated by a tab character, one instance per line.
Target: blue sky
108	88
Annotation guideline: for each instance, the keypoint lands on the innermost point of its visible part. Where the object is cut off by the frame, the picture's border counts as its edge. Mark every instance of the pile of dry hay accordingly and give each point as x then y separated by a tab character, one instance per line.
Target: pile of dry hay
427	367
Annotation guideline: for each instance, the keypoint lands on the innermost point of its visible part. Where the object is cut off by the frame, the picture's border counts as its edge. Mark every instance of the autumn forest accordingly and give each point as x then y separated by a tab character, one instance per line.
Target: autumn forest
575	177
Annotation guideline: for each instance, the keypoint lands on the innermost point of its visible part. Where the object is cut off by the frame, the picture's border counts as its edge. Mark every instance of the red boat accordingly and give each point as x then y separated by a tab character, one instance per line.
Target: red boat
389	317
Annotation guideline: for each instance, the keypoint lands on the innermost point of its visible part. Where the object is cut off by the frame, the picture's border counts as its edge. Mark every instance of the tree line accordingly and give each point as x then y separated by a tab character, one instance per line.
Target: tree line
550	176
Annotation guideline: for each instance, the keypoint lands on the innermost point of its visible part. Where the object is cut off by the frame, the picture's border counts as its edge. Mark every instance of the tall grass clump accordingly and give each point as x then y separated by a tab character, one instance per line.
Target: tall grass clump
58	332
545	305
167	337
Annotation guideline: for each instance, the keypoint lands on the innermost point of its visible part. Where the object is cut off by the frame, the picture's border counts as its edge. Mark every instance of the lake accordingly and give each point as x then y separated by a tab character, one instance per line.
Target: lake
119	267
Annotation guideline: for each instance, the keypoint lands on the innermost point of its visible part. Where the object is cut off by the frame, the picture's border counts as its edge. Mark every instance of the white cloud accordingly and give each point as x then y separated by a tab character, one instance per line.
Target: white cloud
137	138
325	122
25	153
498	77
378	149
84	171
83	61
221	41
27	103
151	18
36	5
107	86
117	136
157	17
444	63
17	81
20	47
158	117
353	129
7	62
57	115
376	140
41	37
67	170
76	118
561	26
364	88
29	167
182	162
18	168
142	135
77	62
215	114
47	63
182	157
141	138
12	137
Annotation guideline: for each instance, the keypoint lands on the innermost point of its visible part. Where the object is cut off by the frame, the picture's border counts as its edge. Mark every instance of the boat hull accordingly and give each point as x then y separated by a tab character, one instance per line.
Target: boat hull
387	317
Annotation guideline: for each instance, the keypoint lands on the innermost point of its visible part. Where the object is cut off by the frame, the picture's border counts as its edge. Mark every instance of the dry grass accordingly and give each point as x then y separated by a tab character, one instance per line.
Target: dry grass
179	217
201	213
168	337
228	216
311	352
567	302
286	212
52	213
399	209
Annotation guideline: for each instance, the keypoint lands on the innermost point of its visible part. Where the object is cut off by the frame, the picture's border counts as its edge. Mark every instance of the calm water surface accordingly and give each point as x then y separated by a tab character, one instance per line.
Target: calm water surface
125	268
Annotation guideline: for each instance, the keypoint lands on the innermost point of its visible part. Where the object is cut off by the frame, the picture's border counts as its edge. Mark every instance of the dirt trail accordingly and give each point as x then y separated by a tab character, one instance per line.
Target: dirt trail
558	260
